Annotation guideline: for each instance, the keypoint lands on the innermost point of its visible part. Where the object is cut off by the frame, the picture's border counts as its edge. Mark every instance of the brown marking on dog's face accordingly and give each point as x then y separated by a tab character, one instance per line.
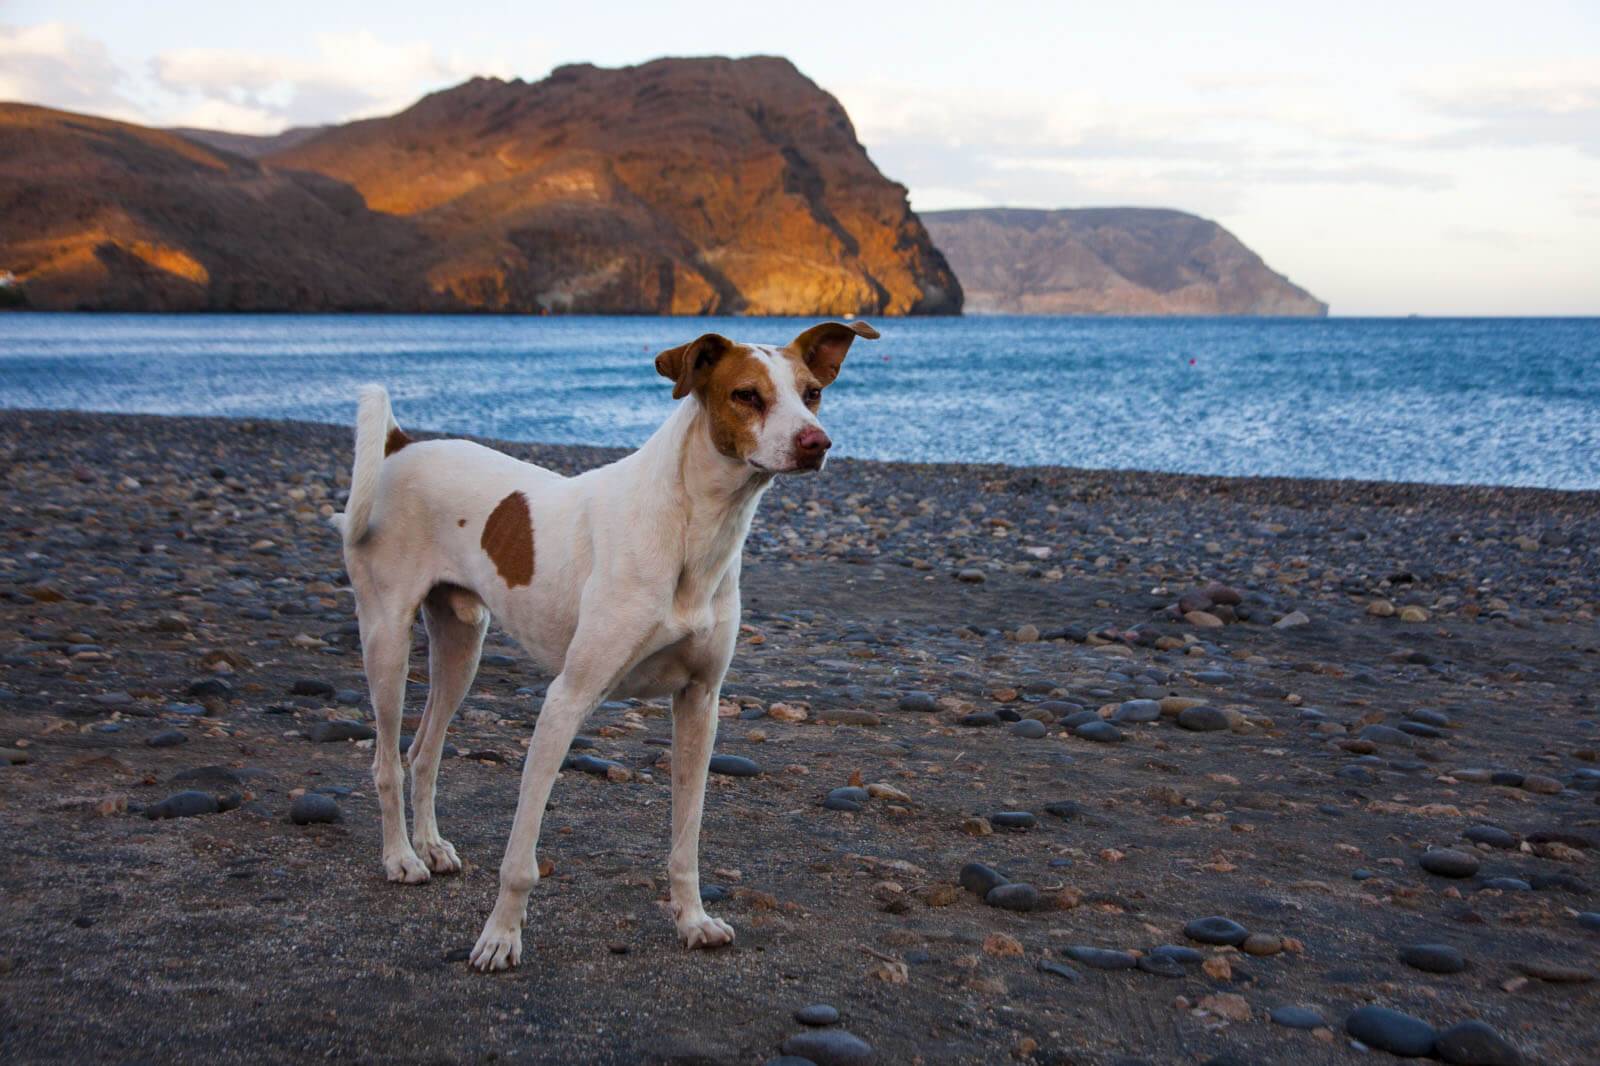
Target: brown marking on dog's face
397	440
733	385
461	522
508	540
822	348
737	395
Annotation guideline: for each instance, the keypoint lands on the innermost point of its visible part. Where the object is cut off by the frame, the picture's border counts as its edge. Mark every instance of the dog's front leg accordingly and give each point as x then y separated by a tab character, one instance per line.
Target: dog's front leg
694	732
593	665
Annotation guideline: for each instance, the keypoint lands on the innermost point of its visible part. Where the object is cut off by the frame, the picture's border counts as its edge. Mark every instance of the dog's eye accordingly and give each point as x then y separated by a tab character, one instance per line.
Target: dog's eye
750	398
813	396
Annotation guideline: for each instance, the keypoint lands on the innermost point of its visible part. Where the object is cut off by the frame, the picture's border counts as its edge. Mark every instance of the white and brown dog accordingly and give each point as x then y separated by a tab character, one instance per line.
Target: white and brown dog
622	581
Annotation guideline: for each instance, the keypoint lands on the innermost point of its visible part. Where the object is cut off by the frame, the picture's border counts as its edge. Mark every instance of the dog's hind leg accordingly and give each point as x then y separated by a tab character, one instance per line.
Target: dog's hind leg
456	622
386	651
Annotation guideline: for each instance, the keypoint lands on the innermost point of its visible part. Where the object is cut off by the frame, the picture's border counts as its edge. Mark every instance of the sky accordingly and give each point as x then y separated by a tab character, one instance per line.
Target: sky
1393	158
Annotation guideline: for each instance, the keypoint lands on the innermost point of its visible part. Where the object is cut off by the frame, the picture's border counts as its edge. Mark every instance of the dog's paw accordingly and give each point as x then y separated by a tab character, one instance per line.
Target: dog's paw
439	856
405	868
705	931
498	948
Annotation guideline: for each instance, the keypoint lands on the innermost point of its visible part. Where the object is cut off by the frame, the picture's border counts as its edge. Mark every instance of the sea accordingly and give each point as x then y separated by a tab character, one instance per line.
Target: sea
1497	401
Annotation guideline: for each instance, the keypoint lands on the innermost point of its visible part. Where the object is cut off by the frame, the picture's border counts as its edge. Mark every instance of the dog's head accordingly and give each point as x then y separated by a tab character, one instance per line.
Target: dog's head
761	401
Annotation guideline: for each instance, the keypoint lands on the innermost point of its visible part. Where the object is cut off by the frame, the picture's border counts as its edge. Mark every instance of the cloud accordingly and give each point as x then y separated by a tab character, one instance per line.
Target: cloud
349	76
1192	150
1553	104
56	65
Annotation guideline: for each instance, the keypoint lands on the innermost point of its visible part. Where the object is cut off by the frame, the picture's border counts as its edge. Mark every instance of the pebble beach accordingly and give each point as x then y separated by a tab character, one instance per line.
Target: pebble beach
1030	764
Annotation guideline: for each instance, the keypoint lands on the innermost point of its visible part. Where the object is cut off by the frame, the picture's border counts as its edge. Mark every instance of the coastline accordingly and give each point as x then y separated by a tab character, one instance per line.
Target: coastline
168	577
1262	488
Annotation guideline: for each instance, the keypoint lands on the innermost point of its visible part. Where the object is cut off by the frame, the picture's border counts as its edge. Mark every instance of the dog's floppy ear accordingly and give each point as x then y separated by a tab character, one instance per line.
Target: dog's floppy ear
822	347
687	364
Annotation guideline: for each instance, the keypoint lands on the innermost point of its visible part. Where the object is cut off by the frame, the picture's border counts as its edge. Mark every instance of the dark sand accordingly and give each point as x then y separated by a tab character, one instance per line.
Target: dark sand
238	936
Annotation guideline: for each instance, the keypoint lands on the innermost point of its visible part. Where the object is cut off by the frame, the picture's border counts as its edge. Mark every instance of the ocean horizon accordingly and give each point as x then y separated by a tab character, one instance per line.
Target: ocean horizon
1496	401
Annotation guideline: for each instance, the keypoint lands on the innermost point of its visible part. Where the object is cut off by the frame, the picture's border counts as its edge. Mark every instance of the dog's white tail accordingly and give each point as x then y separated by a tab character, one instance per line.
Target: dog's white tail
374	422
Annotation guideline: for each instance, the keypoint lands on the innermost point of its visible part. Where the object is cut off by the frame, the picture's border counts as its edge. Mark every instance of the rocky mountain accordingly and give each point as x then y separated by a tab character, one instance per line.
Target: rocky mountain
105	215
1109	261
683	186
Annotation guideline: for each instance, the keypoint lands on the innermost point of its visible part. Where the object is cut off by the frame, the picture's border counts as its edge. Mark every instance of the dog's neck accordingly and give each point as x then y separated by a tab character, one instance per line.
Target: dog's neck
714	497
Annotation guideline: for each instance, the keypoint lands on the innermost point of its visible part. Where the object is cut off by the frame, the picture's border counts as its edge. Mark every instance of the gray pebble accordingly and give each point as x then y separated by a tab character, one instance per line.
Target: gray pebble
1099	732
1216	930
1101	958
1447	862
1013	896
1433	958
1389	1030
1203	719
830	1047
183	805
313	807
1297	1017
734	766
1475	1043
816	1014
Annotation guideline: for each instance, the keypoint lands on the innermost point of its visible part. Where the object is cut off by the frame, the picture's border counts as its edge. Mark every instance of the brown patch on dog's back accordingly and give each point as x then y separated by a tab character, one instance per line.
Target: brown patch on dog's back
397	440
508	540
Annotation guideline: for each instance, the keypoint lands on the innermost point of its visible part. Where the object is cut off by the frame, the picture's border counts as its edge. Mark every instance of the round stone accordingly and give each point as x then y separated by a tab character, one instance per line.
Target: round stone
168	738
816	1014
1475	1043
340	729
978	720
1136	711
922	702
1013	820
1491	835
1297	1017
848	798
1385	734
1161	965
1447	862
1261	944
1389	1030
1590	920
1101	958
980	880
830	1047
734	766
1433	958
183	805
1029	729
1203	719
1216	930
313	807
1013	896
1179	953
1507	884
1099	732
591	764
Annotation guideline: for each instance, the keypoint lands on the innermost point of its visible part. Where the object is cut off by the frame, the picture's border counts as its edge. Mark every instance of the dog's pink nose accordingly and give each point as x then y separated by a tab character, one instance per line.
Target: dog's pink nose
812	441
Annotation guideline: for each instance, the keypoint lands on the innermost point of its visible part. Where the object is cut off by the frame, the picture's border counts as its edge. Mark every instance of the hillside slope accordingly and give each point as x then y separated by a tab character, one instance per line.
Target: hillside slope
111	216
